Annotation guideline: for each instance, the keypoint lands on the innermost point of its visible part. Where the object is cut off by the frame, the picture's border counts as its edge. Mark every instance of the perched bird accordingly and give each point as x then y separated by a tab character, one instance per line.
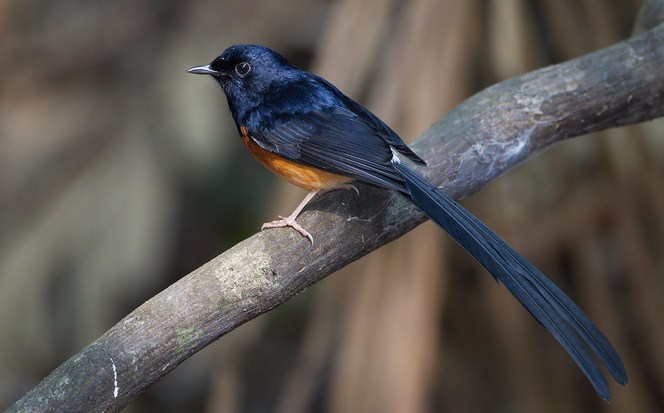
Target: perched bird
303	129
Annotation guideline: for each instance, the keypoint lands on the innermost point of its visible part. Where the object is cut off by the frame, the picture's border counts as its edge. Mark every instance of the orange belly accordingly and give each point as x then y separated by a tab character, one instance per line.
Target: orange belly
306	177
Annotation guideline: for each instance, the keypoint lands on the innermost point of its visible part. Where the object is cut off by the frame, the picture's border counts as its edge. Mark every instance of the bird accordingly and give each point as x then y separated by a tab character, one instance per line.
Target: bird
306	131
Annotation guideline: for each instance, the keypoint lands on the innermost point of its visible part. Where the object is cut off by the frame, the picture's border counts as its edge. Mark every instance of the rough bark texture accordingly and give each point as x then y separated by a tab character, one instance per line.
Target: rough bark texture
481	139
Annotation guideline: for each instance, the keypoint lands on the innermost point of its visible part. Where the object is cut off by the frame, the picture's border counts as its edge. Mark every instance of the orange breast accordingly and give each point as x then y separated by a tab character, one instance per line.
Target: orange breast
306	177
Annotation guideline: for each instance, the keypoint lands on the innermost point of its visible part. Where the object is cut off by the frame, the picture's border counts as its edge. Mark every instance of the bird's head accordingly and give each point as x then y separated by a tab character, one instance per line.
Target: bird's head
246	72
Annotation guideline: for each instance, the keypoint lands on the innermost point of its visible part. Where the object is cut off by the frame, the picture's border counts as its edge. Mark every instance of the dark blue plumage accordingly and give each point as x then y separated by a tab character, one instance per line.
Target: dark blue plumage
299	119
569	325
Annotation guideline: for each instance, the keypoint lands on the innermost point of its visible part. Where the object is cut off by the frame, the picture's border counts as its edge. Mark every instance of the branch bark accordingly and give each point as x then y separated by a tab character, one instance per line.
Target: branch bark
479	140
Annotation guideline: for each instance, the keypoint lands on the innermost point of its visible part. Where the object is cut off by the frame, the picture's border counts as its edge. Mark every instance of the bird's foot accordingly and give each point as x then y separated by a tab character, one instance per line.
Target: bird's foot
289	222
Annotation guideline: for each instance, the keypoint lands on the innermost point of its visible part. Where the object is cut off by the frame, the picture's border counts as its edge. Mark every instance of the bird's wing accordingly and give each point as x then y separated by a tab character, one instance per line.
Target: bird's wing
336	141
381	128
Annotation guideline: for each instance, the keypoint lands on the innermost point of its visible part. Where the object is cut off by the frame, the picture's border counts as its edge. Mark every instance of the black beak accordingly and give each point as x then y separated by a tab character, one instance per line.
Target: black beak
203	70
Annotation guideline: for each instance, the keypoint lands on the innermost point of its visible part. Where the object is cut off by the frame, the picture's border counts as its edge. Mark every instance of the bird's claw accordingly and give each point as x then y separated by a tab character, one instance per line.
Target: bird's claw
289	222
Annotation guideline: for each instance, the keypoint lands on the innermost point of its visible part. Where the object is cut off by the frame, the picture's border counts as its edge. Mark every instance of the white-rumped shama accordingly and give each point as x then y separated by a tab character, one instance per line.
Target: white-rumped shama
306	131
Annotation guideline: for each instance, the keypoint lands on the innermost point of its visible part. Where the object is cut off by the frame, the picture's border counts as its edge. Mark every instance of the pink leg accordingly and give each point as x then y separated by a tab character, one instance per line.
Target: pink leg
289	221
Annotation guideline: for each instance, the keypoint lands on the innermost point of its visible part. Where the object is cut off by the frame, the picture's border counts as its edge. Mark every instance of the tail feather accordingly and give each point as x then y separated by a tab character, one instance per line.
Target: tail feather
569	325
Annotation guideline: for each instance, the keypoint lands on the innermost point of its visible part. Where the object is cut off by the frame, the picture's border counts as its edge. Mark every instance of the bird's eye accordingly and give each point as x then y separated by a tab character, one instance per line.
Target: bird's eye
243	69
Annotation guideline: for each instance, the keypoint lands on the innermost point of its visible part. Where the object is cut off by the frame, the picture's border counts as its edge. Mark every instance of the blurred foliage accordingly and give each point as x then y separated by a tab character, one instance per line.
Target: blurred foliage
120	173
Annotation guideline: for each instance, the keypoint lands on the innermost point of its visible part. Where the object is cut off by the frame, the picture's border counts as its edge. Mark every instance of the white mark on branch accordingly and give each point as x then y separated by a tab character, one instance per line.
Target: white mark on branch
571	87
515	147
116	388
530	103
349	219
634	57
496	152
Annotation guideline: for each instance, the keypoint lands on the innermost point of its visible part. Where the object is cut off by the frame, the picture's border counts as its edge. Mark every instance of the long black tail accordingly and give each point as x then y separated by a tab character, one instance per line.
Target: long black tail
539	295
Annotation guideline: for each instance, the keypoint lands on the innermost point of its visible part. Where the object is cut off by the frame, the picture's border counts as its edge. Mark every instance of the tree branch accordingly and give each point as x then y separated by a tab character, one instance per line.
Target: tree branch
651	14
481	139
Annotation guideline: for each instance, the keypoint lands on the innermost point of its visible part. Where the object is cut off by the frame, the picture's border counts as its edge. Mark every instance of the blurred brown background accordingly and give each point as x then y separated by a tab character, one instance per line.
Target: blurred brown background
120	173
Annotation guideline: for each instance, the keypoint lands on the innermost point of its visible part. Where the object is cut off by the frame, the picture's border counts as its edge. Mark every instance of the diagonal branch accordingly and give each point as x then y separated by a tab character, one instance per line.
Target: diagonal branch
481	139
